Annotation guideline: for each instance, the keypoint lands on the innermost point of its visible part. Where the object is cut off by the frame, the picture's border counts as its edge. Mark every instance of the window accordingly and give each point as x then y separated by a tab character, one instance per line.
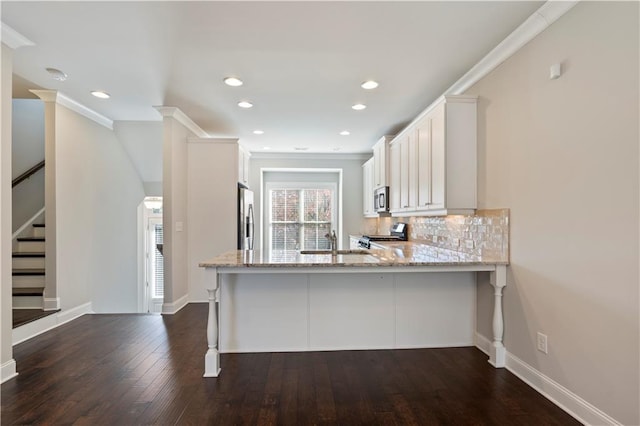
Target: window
299	218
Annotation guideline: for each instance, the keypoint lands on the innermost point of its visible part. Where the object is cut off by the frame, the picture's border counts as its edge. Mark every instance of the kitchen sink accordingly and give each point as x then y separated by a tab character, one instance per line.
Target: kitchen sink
341	252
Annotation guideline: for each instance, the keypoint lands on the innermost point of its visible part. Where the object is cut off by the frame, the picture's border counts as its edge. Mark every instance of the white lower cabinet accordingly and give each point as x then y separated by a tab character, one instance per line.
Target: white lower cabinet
433	161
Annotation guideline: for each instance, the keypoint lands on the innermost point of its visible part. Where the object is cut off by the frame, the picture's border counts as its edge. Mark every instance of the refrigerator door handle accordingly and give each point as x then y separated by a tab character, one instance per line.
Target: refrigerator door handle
252	224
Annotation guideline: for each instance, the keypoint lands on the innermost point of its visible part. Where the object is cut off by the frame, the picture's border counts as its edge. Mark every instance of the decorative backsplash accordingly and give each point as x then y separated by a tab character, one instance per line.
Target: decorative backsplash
484	234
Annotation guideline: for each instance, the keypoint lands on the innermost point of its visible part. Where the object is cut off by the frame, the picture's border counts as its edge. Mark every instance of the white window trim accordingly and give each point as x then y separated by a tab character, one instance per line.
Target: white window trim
264	170
270	186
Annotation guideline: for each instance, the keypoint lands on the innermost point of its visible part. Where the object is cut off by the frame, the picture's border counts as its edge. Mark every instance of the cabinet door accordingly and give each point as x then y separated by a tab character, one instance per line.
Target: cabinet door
412	165
376	165
243	166
394	187
367	188
438	157
423	137
404	172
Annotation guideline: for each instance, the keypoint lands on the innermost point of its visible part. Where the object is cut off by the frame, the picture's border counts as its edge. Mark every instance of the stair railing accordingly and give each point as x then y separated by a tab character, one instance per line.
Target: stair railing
26	175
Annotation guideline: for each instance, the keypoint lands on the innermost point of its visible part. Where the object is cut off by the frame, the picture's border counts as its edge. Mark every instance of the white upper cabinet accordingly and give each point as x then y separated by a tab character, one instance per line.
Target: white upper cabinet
367	189
381	162
243	166
434	168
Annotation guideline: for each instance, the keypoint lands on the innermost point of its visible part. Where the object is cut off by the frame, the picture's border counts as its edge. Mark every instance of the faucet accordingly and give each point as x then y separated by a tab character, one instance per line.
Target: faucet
333	239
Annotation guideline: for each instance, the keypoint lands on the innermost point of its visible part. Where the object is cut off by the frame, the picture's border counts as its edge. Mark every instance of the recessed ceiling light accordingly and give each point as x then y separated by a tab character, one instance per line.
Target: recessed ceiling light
266	148
359	107
337	148
301	148
245	104
258	132
345	133
100	94
56	74
369	84
233	81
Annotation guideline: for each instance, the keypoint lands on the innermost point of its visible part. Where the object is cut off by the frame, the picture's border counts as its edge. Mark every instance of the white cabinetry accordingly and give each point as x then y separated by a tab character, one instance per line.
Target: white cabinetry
367	189
243	166
381	162
433	161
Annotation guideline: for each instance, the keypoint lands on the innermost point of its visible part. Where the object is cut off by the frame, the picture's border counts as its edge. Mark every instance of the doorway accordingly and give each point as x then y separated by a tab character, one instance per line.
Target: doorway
153	280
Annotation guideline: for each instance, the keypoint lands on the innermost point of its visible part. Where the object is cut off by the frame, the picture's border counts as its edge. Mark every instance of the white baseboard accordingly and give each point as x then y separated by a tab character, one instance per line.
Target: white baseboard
51	304
8	371
483	343
577	407
35	328
173	307
568	401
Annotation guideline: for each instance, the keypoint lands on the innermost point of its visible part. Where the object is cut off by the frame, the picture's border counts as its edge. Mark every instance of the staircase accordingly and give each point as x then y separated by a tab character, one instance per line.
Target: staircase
29	271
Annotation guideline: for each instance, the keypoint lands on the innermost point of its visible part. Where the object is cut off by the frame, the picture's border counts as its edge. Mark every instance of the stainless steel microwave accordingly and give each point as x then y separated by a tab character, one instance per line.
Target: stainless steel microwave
381	199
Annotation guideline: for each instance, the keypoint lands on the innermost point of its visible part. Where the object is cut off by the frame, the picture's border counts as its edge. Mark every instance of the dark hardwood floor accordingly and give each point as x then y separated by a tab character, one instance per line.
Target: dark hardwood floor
25	316
144	369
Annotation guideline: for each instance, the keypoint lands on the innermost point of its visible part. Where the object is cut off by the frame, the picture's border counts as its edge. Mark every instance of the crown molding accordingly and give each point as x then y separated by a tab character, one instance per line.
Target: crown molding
218	141
12	38
46	95
546	15
308	156
182	118
66	101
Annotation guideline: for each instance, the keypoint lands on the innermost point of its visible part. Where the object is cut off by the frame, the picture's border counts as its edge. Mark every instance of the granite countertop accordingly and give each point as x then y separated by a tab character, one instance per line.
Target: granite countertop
401	254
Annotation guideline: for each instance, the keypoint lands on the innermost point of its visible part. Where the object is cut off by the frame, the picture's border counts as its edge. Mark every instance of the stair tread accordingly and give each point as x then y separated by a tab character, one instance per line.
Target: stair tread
28	254
28	291
28	271
38	225
31	239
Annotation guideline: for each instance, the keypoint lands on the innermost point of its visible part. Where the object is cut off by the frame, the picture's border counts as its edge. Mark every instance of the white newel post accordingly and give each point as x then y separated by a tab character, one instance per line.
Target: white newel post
212	358
498	280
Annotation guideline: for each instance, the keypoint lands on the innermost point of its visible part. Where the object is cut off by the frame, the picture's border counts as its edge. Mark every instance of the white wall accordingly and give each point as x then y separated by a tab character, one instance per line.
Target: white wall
352	217
98	193
174	209
212	205
563	156
27	151
7	364
142	140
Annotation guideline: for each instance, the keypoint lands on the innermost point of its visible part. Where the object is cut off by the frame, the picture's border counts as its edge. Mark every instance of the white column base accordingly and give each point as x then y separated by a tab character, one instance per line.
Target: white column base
212	363
497	355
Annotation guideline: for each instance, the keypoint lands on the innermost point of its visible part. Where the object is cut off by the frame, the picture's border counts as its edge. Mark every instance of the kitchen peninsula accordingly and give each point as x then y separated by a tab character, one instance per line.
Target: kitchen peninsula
407	296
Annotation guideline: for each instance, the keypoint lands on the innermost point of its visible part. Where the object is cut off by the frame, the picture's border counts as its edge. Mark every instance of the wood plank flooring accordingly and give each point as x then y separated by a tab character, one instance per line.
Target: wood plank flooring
146	369
25	316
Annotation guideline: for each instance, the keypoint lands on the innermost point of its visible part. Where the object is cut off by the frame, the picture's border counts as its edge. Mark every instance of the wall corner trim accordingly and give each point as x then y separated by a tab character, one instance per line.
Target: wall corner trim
546	15
182	118
66	101
174	307
8	370
12	38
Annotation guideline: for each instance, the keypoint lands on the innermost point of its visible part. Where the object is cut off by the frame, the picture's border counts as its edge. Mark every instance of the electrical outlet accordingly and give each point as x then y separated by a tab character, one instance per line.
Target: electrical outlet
468	244
542	342
434	239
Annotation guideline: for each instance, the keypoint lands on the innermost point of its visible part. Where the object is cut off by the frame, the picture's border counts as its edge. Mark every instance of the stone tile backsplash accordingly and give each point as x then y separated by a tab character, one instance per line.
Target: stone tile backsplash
484	234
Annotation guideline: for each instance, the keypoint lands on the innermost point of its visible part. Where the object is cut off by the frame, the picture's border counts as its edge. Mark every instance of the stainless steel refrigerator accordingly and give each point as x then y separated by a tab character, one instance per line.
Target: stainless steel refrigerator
246	224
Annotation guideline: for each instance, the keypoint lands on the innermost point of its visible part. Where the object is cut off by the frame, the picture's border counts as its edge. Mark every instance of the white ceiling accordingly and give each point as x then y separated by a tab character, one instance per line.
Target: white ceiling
302	62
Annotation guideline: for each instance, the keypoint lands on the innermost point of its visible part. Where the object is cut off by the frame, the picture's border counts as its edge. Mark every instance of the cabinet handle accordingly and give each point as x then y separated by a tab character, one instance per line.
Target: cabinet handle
406	206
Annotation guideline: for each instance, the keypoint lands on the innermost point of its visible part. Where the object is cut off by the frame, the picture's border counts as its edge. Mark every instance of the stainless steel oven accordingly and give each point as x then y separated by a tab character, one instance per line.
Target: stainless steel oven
381	199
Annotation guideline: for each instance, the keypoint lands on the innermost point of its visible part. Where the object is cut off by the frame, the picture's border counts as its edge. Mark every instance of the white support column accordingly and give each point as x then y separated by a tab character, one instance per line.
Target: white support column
497	354
212	357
